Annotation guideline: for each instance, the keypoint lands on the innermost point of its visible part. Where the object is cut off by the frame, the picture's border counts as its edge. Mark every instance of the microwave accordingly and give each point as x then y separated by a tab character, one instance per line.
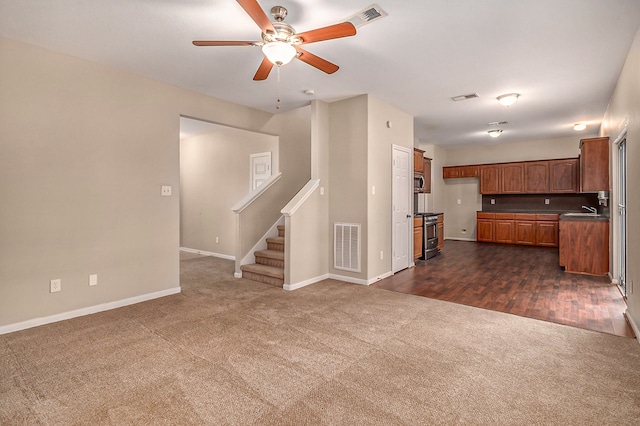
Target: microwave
418	182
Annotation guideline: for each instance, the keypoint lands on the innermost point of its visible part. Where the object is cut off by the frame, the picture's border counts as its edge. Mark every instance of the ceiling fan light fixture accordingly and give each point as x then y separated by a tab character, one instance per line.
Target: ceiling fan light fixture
508	99
495	133
279	53
578	127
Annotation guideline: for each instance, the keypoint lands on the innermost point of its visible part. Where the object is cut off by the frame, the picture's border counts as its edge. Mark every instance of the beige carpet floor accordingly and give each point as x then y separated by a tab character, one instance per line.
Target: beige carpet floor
230	351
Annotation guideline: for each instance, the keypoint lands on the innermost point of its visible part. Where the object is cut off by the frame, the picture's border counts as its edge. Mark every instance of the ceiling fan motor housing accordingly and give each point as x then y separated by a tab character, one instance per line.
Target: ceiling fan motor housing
278	13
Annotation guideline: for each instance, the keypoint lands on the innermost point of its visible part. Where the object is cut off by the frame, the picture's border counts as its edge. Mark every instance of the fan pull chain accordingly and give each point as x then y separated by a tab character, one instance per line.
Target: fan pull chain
278	89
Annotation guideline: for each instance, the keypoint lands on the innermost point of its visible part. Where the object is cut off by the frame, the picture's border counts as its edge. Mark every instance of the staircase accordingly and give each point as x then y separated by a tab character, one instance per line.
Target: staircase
269	266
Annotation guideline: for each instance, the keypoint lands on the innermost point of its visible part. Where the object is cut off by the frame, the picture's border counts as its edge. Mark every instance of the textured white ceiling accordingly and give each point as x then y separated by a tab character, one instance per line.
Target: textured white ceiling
563	56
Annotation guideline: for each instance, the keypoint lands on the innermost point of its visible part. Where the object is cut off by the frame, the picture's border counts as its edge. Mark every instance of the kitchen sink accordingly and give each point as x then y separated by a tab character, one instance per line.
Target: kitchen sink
582	214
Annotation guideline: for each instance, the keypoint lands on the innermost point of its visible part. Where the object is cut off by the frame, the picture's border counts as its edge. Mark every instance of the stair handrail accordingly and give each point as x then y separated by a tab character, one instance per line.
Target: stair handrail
298	200
255	194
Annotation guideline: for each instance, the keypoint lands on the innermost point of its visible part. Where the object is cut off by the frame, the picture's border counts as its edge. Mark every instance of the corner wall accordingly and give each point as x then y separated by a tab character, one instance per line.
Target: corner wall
624	110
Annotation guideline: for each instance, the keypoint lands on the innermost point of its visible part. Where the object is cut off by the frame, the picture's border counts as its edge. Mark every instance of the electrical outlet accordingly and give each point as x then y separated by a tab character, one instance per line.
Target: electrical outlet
381	255
322	190
55	286
217	240
93	279
459	201
464	231
373	190
546	201
493	201
166	190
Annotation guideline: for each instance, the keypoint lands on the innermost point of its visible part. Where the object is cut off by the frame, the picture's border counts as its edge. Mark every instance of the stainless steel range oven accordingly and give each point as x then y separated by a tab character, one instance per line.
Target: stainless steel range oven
430	236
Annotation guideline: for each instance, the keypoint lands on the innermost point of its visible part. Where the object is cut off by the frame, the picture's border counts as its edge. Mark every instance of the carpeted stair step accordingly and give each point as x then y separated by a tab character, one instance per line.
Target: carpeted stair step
275	243
280	230
270	258
264	274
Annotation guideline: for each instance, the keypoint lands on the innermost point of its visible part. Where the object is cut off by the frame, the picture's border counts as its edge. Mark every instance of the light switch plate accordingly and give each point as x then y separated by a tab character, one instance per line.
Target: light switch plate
93	279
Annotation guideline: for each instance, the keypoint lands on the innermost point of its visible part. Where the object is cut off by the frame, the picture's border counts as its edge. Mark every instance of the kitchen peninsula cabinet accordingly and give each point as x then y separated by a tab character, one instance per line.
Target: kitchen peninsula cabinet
584	246
594	164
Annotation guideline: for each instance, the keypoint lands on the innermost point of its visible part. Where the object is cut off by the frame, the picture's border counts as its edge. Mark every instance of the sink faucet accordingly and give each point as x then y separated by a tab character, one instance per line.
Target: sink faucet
590	209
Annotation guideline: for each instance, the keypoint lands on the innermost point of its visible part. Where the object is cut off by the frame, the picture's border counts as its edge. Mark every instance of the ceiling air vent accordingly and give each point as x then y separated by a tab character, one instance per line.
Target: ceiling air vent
465	97
367	15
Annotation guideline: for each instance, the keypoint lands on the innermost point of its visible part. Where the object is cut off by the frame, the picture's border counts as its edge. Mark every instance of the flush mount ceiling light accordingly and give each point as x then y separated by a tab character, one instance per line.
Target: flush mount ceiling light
279	52
508	99
495	133
578	127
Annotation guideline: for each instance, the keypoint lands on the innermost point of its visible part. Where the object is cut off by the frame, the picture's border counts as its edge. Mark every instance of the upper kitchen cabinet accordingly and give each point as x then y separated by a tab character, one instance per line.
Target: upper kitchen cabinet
594	164
490	179
512	178
536	177
418	160
452	172
427	176
563	176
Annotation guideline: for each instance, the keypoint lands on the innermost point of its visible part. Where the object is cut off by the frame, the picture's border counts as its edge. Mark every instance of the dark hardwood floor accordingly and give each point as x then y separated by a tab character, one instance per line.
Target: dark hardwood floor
525	281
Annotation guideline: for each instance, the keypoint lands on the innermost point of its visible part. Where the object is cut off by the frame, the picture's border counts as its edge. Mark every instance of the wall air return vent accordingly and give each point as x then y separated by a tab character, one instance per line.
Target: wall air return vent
465	97
367	15
346	246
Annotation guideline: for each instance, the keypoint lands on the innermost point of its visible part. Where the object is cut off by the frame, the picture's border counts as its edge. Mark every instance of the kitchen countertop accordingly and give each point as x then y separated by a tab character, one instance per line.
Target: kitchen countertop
426	214
562	213
586	217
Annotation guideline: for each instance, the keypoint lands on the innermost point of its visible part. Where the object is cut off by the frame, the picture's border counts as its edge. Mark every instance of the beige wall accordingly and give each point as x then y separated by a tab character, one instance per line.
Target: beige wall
84	151
214	176
624	110
348	172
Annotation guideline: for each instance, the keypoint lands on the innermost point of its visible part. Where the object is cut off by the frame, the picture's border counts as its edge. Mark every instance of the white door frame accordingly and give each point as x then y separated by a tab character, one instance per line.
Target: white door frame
402	261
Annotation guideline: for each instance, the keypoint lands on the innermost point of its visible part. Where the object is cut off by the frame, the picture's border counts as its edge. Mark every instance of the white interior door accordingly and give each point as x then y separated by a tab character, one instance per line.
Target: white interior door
401	194
260	169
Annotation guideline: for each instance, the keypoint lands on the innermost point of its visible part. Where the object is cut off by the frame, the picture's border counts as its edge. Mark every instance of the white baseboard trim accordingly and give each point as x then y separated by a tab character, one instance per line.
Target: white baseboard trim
305	283
207	253
634	324
86	311
237	274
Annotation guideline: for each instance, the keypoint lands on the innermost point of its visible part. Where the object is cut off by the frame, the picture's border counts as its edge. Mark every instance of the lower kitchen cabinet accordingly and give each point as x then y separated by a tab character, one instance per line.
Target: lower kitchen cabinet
584	246
417	237
533	229
440	231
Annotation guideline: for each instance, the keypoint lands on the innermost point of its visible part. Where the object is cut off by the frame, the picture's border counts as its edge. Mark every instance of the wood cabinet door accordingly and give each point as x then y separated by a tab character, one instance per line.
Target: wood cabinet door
450	172
504	231
525	233
417	242
469	171
512	178
490	179
563	176
440	235
485	230
584	246
547	234
418	161
536	177
594	164
427	176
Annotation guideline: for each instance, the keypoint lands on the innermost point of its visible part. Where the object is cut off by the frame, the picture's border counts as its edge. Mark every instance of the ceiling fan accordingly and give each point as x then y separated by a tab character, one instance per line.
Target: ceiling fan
280	42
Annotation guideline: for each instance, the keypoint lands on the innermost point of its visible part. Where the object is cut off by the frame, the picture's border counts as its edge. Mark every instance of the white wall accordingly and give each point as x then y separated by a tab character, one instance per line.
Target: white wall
624	110
214	176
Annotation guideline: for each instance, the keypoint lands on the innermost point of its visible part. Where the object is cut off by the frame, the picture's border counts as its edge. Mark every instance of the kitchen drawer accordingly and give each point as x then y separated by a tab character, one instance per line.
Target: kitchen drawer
505	216
525	216
486	215
546	216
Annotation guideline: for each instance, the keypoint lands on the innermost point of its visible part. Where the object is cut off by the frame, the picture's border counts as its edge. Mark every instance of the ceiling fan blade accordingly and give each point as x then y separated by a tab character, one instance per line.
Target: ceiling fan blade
256	13
316	61
263	70
223	43
344	29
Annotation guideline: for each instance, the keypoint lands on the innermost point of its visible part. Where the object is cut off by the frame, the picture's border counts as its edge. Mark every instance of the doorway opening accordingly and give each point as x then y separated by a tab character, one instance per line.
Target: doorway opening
622	213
